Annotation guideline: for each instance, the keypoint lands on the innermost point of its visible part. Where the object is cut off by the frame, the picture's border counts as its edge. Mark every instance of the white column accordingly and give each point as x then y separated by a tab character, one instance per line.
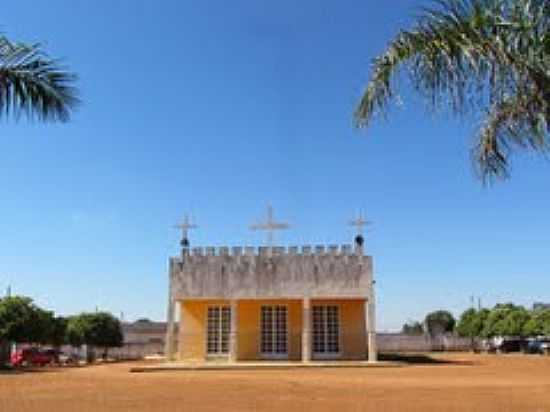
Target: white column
370	317
170	329
306	330
233	336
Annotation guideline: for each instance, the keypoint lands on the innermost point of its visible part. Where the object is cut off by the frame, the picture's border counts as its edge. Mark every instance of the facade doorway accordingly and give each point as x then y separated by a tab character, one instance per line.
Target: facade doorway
326	331
218	329
274	331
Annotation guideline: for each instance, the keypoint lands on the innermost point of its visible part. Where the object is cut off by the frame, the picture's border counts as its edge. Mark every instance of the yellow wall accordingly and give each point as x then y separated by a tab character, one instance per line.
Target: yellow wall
192	339
192	331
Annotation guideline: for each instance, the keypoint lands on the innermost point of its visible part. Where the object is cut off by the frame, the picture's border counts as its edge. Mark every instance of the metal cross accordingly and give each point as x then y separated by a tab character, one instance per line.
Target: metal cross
359	222
270	226
185	226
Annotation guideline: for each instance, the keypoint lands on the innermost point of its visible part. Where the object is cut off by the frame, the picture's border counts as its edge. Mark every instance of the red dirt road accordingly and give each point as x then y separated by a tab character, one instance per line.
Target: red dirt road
470	383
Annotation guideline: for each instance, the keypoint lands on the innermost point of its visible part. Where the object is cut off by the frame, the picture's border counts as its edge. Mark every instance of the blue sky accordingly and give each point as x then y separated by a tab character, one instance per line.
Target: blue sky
216	108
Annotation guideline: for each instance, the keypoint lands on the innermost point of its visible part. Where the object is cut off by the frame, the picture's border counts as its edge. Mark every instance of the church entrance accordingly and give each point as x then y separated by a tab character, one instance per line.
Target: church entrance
274	331
218	328
326	331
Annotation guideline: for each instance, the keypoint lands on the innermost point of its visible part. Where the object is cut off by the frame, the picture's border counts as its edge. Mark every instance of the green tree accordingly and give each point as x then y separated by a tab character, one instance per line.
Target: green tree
58	332
506	320
105	331
475	56
412	328
41	326
439	322
22	321
538	324
100	329
33	84
76	330
472	322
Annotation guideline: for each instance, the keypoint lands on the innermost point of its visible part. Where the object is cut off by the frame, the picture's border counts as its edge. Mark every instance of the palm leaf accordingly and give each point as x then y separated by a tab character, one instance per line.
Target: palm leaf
33	84
475	56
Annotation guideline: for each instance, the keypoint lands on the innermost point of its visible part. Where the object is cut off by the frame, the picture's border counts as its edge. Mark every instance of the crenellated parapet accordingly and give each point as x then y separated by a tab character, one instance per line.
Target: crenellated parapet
248	272
276	251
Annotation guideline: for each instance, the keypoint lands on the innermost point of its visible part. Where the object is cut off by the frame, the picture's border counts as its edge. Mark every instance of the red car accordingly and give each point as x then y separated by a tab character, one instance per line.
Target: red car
31	356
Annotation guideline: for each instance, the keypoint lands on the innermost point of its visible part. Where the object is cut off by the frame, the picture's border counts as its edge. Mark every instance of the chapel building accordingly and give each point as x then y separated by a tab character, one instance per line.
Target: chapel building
271	303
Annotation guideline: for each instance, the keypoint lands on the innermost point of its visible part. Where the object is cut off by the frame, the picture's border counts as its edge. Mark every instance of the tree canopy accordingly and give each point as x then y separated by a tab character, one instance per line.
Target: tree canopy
506	320
439	322
96	329
412	328
475	56
22	321
538	324
472	322
58	333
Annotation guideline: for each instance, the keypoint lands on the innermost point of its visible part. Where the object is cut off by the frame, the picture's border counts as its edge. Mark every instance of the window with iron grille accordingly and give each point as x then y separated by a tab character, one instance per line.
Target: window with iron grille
326	329
274	331
218	329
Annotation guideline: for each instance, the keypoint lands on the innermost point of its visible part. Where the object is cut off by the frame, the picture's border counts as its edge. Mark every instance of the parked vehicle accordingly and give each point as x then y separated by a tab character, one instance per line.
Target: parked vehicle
511	345
487	346
54	354
67	358
505	344
61	357
545	346
31	356
539	345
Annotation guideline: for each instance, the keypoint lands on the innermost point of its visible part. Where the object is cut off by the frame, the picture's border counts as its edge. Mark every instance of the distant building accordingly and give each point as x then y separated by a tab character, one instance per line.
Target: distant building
142	338
144	331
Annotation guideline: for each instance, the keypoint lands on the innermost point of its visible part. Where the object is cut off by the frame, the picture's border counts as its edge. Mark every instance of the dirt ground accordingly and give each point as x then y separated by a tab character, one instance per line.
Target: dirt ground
460	382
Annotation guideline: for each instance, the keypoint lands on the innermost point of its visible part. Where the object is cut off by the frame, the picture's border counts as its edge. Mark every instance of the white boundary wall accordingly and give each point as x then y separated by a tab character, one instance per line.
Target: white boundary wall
397	342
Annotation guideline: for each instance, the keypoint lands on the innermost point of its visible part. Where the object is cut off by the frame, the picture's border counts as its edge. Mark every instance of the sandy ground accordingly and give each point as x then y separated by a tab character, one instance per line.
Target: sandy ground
467	383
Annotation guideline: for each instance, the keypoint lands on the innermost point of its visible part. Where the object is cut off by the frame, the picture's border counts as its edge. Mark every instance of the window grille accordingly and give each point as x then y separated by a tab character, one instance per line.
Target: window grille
326	329
218	330
274	332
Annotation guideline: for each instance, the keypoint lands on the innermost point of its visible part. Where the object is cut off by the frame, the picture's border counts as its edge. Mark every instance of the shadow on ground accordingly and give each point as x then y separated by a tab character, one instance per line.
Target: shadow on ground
9	370
19	371
421	359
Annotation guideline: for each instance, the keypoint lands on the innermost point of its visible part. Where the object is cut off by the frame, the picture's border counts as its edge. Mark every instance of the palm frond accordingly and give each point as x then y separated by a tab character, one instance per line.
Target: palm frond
514	121
33	84
472	55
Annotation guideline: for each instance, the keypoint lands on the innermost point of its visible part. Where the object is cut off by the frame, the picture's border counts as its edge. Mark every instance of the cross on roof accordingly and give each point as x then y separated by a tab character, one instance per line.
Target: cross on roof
184	227
359	222
270	226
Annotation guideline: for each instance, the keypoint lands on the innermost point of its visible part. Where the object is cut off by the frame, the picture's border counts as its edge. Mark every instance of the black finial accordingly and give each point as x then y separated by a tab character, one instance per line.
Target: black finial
184	227
359	240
